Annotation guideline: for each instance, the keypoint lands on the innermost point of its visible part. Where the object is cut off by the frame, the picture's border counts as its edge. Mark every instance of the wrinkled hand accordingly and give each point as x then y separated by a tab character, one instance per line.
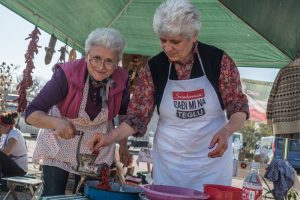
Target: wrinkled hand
65	129
125	157
221	140
99	140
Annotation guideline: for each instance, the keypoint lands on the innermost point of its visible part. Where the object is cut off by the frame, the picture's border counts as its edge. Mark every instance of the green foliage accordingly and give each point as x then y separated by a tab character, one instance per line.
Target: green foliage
252	132
292	194
5	82
249	137
264	130
37	85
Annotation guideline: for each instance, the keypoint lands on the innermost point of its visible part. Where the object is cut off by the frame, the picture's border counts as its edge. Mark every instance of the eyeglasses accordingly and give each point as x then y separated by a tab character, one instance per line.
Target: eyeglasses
98	61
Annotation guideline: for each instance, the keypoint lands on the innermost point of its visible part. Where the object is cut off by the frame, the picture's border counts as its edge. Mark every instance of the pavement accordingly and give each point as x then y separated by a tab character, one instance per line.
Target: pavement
237	181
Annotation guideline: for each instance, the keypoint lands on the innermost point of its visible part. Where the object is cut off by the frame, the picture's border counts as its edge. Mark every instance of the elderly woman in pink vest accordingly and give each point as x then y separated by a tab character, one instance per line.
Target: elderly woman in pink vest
82	97
198	94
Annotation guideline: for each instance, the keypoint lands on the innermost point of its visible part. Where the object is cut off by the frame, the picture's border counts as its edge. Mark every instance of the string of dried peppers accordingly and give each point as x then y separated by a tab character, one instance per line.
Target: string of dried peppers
27	78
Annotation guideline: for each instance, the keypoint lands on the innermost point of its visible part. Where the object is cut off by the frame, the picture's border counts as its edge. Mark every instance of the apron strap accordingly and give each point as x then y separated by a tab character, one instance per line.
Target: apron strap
199	58
200	61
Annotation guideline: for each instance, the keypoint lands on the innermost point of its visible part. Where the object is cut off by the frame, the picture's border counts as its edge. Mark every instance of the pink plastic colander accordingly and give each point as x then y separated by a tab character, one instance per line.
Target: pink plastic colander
165	192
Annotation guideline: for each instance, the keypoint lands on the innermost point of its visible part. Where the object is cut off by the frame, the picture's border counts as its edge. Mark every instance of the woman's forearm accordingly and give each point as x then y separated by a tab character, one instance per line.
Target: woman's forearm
122	131
41	120
235	122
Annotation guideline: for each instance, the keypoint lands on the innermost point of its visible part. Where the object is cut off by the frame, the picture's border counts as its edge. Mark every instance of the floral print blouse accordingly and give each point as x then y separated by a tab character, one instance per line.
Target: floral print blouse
141	106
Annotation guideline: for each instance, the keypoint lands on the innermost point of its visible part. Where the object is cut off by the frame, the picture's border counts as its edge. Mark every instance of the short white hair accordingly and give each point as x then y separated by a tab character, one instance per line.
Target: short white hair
176	17
106	37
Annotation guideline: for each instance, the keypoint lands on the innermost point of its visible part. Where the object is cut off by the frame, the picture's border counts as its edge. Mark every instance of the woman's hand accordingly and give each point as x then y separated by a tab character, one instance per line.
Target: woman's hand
65	129
100	140
61	126
235	122
221	139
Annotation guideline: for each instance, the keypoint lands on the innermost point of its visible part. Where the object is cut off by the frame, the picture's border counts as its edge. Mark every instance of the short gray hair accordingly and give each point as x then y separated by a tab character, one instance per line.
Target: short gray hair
106	37
176	17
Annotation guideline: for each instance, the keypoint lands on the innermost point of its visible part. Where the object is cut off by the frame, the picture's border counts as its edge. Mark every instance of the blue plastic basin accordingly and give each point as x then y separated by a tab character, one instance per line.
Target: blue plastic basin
129	192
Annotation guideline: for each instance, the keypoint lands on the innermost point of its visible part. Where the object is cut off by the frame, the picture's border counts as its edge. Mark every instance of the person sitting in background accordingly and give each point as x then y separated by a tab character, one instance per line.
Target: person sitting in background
13	151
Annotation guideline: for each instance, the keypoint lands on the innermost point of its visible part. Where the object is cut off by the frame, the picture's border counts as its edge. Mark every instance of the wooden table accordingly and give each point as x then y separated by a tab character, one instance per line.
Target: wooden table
34	185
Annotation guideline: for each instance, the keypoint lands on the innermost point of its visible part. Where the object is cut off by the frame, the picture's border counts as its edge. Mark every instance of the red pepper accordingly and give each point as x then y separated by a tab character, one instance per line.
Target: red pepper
104	177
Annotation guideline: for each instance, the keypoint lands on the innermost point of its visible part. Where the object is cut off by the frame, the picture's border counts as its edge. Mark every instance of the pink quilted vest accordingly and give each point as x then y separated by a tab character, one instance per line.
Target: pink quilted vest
76	75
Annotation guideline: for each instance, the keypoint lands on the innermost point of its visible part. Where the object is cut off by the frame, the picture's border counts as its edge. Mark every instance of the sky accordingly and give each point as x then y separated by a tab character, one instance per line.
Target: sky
14	30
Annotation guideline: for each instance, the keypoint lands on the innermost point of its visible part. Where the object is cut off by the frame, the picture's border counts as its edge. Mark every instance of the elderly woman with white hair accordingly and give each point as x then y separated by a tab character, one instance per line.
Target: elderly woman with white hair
199	98
82	96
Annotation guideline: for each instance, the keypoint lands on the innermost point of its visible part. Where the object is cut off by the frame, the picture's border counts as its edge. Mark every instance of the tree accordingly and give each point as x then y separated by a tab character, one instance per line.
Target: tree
35	88
5	81
252	132
37	85
265	130
9	85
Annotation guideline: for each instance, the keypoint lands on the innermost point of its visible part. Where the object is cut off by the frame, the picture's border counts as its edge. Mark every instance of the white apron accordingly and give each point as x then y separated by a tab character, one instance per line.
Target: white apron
190	115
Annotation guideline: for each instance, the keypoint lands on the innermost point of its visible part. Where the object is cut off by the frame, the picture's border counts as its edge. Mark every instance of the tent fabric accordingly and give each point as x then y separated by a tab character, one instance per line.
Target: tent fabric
72	20
278	21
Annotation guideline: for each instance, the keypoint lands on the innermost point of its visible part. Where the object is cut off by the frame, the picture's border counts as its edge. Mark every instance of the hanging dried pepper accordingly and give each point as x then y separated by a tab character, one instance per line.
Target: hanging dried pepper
27	78
63	51
72	55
